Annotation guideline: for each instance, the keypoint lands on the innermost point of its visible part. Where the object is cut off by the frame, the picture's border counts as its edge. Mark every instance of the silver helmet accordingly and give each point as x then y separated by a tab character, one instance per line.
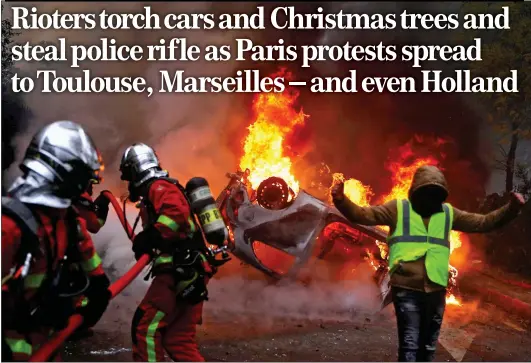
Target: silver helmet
60	163
140	164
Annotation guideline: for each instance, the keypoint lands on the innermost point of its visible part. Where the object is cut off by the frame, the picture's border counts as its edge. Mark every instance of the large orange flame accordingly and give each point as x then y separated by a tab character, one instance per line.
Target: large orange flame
264	149
265	156
402	170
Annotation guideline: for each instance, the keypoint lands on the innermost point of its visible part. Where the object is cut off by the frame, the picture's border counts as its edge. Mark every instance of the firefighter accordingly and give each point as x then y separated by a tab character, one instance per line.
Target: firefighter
419	251
48	257
167	317
94	212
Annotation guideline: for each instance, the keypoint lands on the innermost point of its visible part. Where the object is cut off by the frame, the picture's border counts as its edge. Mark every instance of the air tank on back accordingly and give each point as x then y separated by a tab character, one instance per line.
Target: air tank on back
204	206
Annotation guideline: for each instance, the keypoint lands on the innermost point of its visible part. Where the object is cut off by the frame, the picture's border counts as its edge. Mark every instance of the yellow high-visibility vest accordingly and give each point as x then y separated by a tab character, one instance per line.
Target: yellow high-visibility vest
411	241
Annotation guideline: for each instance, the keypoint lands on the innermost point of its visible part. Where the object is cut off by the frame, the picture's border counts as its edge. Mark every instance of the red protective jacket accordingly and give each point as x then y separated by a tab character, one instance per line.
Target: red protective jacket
162	323
85	208
167	209
52	232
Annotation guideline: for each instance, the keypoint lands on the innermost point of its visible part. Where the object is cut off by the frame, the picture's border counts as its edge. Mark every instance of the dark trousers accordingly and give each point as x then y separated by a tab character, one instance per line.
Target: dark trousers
419	317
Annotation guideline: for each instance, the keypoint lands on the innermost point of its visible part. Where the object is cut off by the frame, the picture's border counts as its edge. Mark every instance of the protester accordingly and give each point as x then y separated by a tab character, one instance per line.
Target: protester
419	251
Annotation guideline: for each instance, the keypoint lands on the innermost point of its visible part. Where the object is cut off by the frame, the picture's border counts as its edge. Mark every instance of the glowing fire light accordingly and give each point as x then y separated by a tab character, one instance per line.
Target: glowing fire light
264	149
384	250
372	260
355	190
452	300
450	297
402	174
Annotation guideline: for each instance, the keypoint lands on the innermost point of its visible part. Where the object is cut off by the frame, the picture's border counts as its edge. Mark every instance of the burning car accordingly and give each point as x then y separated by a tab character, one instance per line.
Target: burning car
298	226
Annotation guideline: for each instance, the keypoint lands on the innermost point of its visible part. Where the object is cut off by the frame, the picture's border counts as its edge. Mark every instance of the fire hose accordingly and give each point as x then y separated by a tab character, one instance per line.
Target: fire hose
75	321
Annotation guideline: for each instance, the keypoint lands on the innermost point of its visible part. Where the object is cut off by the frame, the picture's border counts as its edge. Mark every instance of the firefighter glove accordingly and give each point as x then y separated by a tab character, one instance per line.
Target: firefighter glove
147	241
102	206
225	257
96	300
90	189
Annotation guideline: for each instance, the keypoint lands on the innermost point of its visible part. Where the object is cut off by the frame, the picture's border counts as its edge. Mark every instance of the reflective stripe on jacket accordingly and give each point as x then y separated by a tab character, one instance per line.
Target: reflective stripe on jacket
167	209
411	241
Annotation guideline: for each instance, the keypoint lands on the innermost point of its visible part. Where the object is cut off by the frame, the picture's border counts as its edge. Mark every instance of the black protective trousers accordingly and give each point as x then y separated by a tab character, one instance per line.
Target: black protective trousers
419	317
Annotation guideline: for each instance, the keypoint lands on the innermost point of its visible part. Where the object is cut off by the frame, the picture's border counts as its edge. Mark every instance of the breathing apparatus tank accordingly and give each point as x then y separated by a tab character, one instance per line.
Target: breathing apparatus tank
204	206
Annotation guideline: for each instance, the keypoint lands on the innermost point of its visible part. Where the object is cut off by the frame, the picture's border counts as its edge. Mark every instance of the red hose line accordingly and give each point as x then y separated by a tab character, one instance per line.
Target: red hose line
74	322
129	276
47	349
120	213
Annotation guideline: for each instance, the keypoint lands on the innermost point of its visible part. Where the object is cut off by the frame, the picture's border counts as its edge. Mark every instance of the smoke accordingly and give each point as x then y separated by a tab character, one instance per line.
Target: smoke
240	298
241	294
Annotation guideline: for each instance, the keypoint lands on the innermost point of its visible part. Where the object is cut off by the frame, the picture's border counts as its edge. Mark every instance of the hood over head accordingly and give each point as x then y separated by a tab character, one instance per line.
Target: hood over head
428	190
428	175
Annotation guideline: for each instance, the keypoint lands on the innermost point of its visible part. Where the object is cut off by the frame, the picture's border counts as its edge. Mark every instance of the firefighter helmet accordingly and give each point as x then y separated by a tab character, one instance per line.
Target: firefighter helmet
60	163
140	164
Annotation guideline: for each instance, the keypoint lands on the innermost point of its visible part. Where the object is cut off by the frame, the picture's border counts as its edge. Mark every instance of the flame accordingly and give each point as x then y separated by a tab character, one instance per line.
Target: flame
450	297
452	300
355	190
402	172
372	260
384	249
264	150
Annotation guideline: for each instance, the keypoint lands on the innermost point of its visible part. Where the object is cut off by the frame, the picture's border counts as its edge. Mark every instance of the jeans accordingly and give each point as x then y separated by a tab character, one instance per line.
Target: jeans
419	317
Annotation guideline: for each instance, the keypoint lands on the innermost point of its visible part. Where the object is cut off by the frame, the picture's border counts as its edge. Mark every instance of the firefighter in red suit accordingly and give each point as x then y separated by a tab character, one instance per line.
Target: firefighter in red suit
48	258
94	213
166	319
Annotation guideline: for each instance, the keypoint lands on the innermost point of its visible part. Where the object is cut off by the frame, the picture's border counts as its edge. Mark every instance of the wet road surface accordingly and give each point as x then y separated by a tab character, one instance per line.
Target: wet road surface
472	332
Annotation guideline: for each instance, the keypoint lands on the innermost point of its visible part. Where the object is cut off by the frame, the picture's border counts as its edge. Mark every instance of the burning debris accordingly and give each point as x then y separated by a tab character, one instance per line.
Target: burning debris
303	228
267	210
